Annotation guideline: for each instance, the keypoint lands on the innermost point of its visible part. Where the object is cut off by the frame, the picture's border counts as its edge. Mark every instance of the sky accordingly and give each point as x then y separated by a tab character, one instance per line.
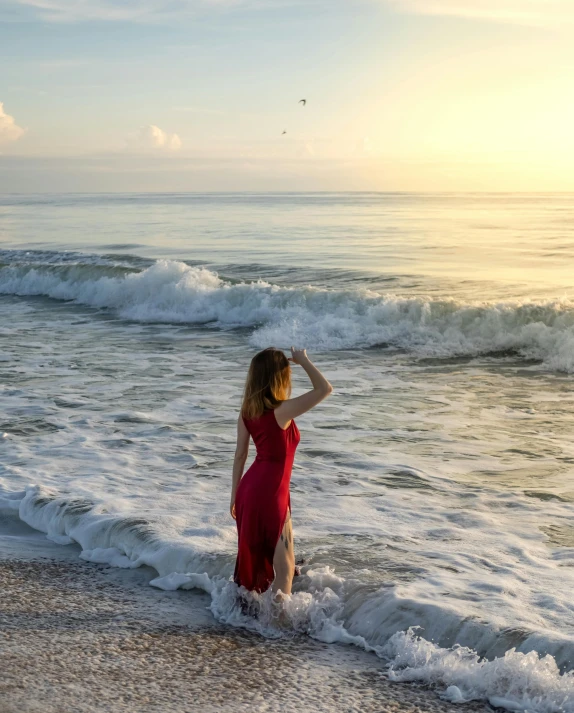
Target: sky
194	95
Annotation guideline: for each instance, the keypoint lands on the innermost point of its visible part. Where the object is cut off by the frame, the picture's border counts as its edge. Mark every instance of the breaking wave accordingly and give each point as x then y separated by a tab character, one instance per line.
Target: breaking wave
322	319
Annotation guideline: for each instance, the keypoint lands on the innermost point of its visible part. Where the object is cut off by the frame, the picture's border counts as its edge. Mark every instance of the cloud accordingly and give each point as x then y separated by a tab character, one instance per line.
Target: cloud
9	130
139	172
525	12
522	12
152	138
121	10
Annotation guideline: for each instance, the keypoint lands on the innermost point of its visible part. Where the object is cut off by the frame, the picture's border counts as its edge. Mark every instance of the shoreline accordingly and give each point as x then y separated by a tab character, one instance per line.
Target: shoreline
80	637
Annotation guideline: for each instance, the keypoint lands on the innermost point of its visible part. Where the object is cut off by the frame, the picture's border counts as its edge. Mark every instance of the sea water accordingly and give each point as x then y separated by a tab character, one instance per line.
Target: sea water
432	494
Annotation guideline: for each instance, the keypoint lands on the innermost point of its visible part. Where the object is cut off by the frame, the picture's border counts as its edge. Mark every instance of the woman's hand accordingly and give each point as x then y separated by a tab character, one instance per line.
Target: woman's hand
298	355
232	510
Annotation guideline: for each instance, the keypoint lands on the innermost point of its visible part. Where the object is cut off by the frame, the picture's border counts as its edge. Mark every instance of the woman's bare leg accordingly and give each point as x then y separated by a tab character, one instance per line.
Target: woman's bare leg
284	559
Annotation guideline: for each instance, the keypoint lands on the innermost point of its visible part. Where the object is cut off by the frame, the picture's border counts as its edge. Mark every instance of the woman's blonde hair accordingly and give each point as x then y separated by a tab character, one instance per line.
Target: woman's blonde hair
268	383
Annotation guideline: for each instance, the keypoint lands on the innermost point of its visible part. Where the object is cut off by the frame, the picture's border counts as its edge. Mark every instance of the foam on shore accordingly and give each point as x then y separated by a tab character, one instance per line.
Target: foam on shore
325	607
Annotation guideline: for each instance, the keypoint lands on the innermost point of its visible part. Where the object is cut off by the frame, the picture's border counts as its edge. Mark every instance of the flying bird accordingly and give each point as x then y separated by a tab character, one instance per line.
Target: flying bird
283	132
302	101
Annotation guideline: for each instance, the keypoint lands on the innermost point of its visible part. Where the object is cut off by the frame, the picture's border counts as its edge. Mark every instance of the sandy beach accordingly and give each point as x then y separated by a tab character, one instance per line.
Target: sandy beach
83	637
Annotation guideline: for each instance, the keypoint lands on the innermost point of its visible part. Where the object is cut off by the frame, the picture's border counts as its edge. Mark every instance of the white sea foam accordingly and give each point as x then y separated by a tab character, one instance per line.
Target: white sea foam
174	292
515	681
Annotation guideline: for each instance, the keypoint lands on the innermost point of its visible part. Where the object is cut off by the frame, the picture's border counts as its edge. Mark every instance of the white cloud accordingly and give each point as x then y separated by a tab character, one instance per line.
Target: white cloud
9	130
152	138
523	12
527	12
127	10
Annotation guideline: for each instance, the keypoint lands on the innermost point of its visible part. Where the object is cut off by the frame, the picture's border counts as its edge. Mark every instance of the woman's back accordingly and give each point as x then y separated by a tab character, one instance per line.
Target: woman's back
272	442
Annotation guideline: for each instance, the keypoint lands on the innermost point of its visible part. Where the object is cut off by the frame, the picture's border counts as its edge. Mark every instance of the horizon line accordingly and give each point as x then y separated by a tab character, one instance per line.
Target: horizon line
278	193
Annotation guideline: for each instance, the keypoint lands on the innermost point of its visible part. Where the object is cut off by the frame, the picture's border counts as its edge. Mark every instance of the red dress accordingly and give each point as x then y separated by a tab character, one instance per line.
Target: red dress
262	500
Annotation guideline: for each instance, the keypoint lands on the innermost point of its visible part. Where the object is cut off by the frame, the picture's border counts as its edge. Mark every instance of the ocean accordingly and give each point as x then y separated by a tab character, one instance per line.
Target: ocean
432	494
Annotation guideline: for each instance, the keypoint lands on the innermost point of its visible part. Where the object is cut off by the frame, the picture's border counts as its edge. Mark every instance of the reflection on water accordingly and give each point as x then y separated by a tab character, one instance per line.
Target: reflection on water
481	246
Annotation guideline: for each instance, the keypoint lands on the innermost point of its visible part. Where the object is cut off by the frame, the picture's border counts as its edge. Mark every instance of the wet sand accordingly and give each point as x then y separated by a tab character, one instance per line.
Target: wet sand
79	637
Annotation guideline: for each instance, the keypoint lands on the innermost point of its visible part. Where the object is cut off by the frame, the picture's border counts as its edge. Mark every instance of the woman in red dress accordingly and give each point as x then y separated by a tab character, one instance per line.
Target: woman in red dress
260	499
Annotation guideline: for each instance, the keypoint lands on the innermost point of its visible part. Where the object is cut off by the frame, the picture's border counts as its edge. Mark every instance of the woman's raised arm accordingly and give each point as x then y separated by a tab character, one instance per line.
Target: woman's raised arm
292	408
